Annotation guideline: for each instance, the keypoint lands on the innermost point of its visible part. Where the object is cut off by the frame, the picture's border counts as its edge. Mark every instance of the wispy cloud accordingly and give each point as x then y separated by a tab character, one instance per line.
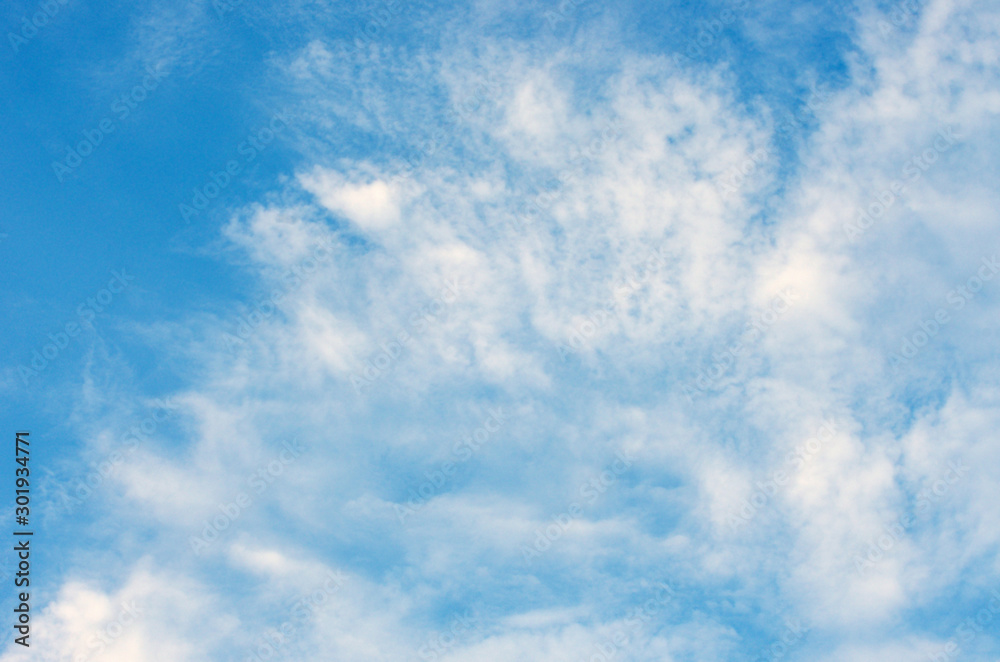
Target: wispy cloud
588	359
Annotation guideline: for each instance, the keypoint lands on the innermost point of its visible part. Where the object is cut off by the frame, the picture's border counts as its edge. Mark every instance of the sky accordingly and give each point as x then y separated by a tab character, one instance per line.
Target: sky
482	331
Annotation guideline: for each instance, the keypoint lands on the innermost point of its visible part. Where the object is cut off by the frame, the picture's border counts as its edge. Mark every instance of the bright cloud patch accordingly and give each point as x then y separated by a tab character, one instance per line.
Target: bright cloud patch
371	206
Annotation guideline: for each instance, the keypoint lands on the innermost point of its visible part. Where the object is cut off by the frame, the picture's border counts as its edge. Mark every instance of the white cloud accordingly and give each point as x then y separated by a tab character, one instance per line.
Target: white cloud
603	200
370	205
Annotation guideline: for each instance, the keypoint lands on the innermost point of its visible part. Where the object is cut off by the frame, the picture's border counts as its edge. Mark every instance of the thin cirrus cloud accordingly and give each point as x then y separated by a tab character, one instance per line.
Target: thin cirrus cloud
803	502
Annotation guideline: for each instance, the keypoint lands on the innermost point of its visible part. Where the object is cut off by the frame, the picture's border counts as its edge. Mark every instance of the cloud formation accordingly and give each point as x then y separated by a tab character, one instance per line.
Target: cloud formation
586	359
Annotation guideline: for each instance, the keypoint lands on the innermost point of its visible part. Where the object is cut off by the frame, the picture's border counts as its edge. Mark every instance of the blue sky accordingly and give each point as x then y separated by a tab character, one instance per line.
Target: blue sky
462	331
